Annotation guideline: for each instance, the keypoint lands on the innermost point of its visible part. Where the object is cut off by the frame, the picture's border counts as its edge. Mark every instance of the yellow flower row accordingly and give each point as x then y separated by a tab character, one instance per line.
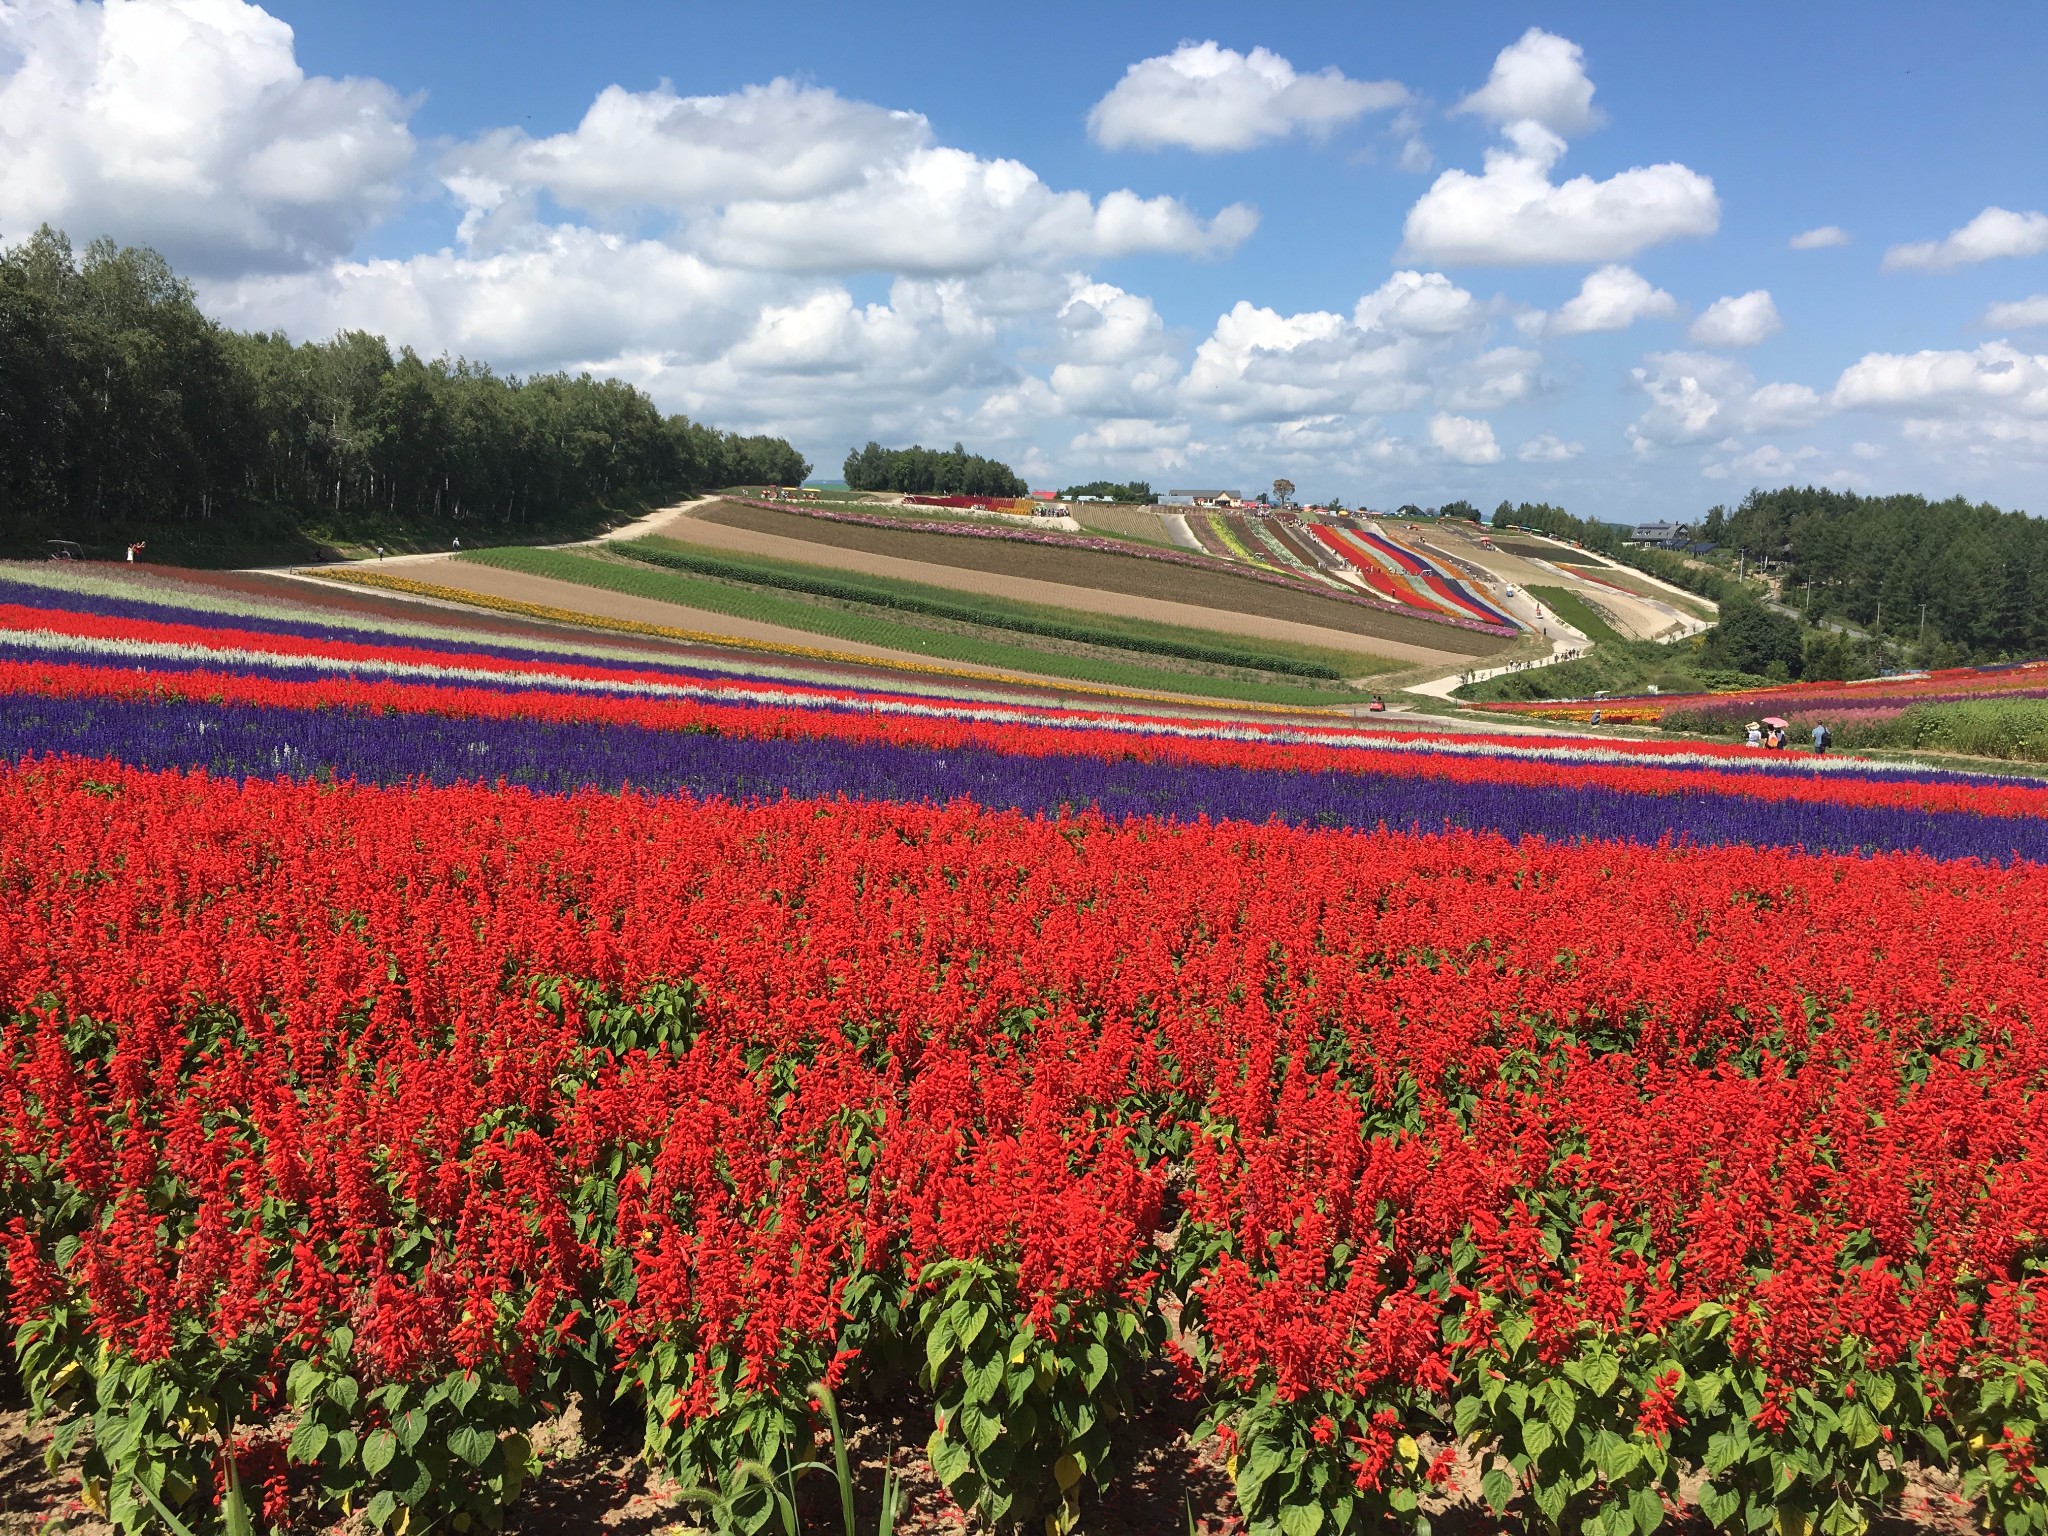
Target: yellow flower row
771	647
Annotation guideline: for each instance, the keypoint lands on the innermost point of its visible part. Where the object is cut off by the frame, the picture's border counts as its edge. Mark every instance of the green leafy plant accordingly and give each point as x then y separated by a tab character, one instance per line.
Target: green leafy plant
777	1488
1023	1408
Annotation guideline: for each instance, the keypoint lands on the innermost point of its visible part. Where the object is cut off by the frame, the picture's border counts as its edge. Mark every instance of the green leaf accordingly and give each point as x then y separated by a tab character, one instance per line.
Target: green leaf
1561	1406
378	1451
1257	1469
979	1429
968	1323
1498	1488
1301	1519
1601	1372
938	1349
380	1509
983	1378
409	1427
1098	1367
473	1443
1719	1505
308	1441
342	1391
1466	1414
949	1458
1647	1508
1514	1331
1537	1437
1551	1499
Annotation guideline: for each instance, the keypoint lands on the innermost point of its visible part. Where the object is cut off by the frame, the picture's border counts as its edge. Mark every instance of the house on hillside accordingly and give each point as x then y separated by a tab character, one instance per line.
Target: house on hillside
1201	499
1663	535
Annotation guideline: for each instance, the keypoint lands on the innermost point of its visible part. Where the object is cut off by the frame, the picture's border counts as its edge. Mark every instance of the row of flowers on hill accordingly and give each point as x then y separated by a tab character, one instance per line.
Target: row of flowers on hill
348	1133
1109	546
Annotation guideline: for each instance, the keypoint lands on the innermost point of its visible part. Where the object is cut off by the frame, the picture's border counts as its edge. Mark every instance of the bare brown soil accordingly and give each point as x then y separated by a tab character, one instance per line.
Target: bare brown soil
592	1482
1085	579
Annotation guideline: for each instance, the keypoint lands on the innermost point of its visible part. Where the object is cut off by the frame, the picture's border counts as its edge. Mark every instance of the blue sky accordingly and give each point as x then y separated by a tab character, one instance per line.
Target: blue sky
1393	253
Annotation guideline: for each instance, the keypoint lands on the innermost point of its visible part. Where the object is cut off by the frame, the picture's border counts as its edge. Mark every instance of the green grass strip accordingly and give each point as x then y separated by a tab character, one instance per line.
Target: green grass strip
1049	623
884	632
1578	613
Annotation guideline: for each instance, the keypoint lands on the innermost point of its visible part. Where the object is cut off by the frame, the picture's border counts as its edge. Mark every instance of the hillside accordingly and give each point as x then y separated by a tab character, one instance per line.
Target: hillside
1138	582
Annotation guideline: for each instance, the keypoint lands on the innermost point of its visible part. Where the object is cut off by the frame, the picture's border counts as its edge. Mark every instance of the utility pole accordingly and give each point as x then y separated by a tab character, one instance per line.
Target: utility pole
1923	623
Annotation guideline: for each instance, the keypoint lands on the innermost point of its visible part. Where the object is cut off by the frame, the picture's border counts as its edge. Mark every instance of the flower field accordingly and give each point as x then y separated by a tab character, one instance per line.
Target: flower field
408	1030
1874	700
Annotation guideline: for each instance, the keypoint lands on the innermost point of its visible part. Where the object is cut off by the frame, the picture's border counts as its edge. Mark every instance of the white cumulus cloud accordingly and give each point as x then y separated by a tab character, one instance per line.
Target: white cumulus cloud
1996	377
1699	397
1398	350
778	142
948	211
1548	448
1464	439
1740	320
2017	314
1993	233
1513	213
1539	78
1612	298
1206	97
1825	237
1419	304
188	125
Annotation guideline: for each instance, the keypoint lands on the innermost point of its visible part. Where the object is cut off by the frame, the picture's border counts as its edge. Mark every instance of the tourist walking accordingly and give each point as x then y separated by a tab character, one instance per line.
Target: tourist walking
1756	735
1823	738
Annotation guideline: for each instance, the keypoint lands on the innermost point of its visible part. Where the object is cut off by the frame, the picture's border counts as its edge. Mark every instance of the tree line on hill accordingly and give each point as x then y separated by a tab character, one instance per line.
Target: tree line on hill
1875	579
1954	581
1134	493
126	413
929	472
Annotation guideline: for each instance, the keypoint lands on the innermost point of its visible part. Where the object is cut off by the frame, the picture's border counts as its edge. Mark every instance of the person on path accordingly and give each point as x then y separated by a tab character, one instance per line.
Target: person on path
1756	735
1822	737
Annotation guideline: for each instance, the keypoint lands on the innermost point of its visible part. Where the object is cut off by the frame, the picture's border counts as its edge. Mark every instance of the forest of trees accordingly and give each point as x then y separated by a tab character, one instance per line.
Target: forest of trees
1135	493
1980	575
126	413
929	472
1939	582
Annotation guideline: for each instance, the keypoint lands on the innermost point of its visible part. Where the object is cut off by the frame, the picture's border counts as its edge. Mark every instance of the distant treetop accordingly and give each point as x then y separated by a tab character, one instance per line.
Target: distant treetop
1134	493
930	472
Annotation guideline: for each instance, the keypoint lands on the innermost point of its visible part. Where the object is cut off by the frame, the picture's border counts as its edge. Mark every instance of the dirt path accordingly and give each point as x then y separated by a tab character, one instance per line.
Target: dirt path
697	530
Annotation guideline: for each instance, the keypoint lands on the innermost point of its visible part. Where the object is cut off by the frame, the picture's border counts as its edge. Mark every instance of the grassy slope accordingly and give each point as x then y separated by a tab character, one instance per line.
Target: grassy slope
1226	587
1110	630
1578	613
895	633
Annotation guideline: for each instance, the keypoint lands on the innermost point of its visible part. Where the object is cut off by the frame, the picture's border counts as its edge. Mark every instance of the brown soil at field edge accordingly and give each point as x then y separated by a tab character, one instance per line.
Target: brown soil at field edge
1123	585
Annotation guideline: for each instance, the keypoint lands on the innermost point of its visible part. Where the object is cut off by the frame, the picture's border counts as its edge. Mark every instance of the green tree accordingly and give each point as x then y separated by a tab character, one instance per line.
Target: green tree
1751	637
1136	492
125	412
928	472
